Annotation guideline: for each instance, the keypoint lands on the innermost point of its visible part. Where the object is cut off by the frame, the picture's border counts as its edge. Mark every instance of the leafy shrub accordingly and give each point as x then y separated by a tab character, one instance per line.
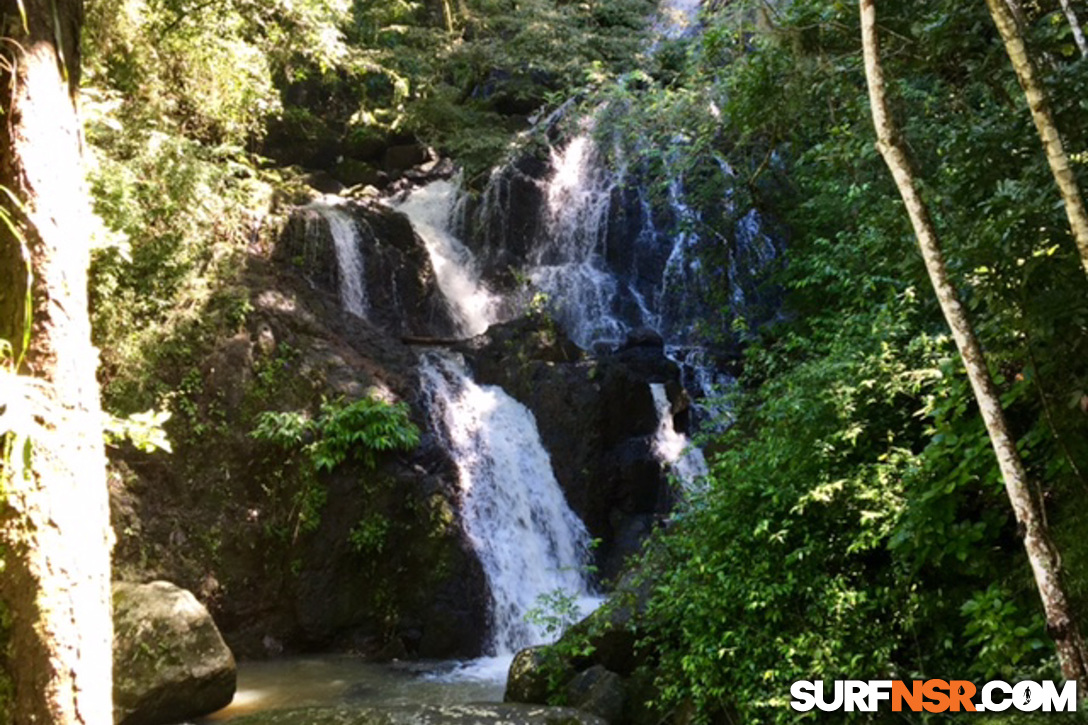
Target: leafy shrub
360	430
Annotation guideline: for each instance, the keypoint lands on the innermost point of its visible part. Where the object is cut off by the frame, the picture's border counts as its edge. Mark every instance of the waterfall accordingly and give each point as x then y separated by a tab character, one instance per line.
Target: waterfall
673	448
349	256
530	543
430	209
567	265
677	297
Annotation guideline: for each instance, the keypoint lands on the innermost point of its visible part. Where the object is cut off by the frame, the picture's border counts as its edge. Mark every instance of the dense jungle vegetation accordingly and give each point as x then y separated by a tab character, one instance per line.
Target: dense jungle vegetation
854	524
856	520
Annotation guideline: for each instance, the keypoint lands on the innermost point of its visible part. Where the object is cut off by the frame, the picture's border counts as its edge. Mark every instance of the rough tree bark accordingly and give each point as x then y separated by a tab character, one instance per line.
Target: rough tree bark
1041	552
1039	103
1017	13
54	516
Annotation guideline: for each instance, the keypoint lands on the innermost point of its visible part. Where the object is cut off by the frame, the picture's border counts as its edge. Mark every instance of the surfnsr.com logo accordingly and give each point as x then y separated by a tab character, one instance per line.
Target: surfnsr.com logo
933	696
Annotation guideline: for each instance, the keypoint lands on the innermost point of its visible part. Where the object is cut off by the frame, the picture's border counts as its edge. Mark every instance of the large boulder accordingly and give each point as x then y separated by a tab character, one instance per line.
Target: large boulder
528	679
169	661
598	691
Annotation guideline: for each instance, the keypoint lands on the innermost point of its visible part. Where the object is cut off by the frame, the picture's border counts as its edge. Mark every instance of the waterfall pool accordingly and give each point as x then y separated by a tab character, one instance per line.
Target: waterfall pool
339	680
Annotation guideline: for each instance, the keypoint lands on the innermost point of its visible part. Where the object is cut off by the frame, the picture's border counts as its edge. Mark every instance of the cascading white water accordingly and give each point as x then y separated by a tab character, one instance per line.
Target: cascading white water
675	293
706	383
752	244
673	448
530	543
430	209
349	256
568	266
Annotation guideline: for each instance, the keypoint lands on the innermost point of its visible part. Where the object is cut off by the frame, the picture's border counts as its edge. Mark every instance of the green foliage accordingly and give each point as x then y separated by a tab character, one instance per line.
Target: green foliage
470	87
360	430
143	430
286	430
369	536
555	612
1002	634
855	524
206	71
163	283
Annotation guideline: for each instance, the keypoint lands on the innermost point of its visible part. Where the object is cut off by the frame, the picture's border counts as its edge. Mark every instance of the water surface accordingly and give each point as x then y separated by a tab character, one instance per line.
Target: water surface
332	680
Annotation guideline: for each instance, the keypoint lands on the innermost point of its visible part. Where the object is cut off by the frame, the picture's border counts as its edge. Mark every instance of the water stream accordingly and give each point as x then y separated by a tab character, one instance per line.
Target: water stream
685	461
530	543
344	230
343	680
430	208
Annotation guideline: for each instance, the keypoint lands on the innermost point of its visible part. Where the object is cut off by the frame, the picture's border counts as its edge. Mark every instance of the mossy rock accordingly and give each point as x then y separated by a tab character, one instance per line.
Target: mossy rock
169	661
528	680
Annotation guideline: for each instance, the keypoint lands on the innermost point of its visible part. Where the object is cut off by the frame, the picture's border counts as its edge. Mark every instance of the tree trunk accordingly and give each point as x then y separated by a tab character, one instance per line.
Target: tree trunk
447	14
1039	104
54	515
1041	553
1017	13
1074	25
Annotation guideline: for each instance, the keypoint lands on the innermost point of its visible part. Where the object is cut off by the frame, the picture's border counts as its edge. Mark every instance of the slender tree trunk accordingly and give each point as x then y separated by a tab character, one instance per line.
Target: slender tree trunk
1041	553
54	515
1017	13
1074	25
1039	104
447	13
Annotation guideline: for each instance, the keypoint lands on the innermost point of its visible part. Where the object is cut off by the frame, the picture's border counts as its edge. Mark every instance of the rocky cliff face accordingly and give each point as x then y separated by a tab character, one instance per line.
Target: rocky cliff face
223	515
597	420
375	560
402	294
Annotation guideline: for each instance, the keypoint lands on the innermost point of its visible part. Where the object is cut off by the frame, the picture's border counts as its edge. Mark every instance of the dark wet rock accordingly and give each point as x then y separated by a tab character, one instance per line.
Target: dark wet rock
501	225
628	404
598	691
228	369
632	475
629	531
596	420
401	289
480	714
643	337
352	172
403	157
170	663
324	182
433	170
612	630
647	363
